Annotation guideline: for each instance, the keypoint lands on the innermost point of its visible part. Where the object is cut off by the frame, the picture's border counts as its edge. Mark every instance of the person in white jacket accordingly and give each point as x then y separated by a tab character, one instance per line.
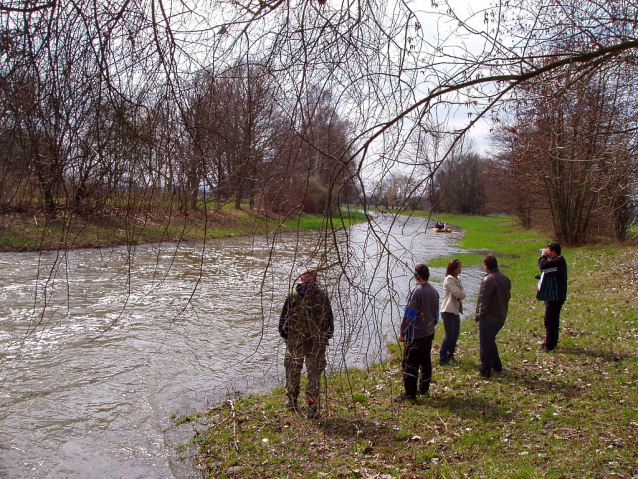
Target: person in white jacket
451	310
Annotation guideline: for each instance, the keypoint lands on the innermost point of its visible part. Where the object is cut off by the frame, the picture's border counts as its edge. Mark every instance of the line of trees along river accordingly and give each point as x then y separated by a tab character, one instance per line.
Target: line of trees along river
124	107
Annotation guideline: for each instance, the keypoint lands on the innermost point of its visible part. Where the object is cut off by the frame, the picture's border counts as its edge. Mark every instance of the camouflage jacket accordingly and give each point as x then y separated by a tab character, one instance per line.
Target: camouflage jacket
307	314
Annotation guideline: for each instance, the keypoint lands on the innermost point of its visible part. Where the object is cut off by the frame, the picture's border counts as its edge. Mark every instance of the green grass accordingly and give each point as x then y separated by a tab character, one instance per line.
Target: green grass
29	233
337	220
572	413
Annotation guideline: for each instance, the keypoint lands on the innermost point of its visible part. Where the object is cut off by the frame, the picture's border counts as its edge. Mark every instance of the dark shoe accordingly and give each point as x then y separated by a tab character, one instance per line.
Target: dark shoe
313	409
498	370
485	373
313	412
545	349
405	397
443	362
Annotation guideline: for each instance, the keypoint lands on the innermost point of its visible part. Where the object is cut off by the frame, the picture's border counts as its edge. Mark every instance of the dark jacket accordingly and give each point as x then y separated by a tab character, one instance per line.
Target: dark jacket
307	314
493	298
553	283
423	299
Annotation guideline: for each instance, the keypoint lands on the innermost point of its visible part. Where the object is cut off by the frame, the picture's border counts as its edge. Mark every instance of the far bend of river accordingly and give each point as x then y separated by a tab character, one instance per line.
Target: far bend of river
99	347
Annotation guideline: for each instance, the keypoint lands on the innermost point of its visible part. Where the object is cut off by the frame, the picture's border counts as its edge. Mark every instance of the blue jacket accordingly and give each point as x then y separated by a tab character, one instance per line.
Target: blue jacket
421	312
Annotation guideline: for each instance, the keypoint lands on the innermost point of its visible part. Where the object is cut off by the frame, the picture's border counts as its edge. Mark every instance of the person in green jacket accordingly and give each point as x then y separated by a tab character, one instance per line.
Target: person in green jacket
552	288
306	324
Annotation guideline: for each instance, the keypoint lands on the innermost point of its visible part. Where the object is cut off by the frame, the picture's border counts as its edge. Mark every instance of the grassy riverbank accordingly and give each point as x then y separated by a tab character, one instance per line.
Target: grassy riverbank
571	413
27	232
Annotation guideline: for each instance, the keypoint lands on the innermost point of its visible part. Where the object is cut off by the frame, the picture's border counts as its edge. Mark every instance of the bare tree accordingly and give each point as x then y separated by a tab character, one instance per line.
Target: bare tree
569	137
389	75
513	183
460	181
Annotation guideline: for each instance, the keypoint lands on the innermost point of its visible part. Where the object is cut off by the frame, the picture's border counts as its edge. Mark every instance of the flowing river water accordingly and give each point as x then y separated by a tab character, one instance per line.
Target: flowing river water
99	347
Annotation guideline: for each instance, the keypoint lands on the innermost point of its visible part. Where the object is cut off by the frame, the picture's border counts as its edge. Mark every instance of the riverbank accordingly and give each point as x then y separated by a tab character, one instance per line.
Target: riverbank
571	413
33	232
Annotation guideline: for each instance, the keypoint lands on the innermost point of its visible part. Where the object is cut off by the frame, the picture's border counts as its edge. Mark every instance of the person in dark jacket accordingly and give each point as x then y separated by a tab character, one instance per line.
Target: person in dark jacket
306	324
552	288
417	332
491	311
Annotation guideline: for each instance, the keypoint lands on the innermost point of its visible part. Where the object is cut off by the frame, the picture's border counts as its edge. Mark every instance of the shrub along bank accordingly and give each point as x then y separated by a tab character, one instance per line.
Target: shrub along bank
571	413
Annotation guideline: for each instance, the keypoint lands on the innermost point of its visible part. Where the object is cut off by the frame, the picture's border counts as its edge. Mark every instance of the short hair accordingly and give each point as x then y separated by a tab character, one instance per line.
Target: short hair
452	267
422	272
555	247
490	261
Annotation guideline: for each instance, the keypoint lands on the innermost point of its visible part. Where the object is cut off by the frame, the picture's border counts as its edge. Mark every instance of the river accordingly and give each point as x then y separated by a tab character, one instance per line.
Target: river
99	347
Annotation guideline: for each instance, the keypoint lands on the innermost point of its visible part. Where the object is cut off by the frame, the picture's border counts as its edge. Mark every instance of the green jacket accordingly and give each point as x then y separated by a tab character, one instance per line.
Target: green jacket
307	314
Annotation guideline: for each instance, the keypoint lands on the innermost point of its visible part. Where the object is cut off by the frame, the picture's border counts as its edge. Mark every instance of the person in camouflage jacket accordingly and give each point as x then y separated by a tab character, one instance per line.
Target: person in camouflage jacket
306	324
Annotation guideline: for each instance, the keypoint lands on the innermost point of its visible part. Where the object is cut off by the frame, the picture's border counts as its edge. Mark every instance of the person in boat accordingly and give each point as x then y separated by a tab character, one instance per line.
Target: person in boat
439	225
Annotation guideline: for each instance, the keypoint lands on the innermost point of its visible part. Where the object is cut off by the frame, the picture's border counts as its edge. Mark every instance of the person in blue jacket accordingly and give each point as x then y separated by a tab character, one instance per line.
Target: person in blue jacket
552	288
417	332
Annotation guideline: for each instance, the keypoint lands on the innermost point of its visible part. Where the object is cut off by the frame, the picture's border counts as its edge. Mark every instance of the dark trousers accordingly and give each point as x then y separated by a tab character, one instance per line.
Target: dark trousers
487	347
552	323
452	324
416	357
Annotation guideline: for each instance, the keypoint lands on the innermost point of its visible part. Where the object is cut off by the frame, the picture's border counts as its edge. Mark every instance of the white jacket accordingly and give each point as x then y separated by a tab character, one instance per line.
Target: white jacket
452	295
